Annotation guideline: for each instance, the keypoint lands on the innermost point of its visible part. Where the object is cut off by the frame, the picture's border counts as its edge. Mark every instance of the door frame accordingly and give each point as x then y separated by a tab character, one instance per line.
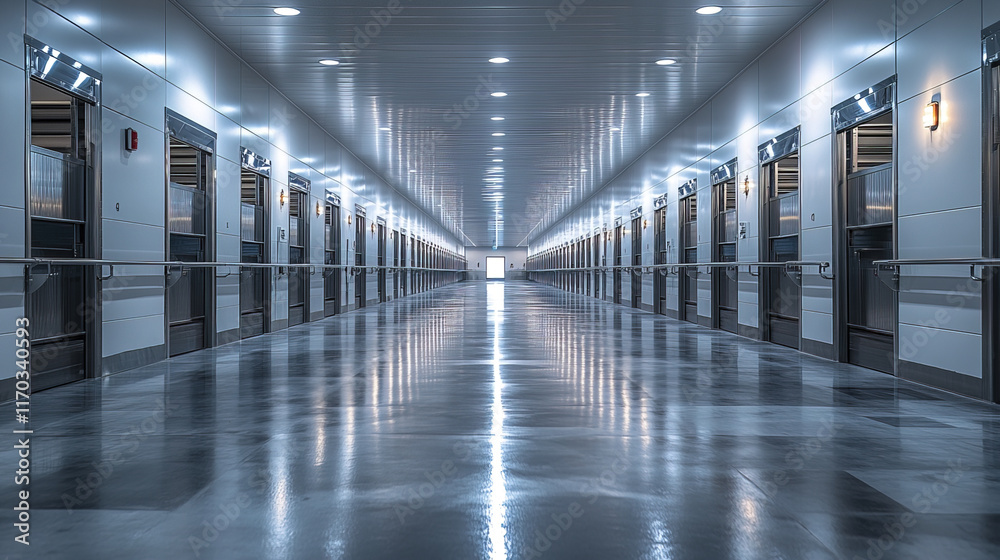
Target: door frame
845	116
93	285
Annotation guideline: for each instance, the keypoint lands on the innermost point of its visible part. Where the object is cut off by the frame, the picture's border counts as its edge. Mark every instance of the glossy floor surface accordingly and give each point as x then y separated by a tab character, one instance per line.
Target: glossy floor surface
506	421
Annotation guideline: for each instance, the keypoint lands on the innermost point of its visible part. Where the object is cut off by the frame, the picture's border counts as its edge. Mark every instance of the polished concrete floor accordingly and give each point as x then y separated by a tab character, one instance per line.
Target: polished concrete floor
506	421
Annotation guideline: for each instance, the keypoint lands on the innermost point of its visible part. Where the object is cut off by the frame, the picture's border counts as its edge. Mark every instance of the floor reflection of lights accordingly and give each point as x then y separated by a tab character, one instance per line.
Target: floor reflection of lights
498	488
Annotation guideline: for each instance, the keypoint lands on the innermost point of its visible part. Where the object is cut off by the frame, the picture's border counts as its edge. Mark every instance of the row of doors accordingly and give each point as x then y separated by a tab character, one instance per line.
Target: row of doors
64	304
864	230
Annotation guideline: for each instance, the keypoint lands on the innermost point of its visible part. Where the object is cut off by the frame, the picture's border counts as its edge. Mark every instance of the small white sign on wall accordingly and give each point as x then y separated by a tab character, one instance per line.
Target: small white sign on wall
743	230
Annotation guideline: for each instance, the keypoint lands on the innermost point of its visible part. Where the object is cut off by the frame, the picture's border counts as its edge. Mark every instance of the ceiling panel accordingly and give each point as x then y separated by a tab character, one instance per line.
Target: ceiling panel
411	96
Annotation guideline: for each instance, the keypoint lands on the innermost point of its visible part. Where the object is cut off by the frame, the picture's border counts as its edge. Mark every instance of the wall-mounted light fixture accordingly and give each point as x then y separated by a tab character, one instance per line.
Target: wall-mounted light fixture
348	219
319	209
746	186
373	227
645	223
282	198
932	115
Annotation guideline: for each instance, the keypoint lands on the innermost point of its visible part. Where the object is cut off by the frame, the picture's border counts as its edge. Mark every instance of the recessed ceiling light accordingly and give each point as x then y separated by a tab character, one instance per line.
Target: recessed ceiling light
498	94
615	129
498	161
583	170
384	128
709	10
413	171
499	60
666	61
642	94
286	11
497	148
329	62
499	134
496	118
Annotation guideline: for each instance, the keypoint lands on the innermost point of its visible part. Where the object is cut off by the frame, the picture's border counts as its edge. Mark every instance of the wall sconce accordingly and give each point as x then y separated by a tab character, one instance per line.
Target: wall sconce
932	115
282	198
319	209
645	223
746	186
348	219
373	227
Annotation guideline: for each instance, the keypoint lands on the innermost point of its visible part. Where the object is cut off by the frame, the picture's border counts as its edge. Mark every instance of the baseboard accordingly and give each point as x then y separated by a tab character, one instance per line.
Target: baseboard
672	313
748	331
952	381
228	337
133	359
278	325
705	321
647	307
820	349
316	315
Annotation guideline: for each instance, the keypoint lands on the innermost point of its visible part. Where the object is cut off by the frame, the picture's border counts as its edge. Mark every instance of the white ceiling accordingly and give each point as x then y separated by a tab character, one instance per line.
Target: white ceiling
575	67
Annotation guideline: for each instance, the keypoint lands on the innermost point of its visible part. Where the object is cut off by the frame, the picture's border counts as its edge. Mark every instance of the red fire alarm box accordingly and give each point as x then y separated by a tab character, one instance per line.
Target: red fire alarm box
131	140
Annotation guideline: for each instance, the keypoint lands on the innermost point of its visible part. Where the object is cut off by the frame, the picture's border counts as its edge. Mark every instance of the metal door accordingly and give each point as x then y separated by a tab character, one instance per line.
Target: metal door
724	280
991	204
782	295
383	294
660	256
688	277
255	282
617	272
867	234
396	249
360	260
635	277
298	247
331	276
63	302
190	234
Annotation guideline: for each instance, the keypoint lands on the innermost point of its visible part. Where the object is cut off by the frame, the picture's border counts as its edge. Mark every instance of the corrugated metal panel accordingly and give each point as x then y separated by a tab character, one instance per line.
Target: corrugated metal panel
251	223
869	197
785	215
57	186
187	210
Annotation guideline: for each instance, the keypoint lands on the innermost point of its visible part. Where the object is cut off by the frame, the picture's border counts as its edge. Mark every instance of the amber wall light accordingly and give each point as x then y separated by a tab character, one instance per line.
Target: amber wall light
932	115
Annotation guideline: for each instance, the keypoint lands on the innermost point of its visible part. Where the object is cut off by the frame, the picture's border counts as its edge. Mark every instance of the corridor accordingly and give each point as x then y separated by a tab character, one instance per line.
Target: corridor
507	420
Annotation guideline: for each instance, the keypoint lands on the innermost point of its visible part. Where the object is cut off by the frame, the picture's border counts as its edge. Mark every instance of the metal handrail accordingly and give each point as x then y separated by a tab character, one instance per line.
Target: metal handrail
895	264
169	266
674	268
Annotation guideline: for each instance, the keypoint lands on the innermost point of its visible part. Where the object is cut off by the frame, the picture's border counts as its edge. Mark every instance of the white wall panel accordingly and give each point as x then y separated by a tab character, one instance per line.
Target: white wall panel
53	30
132	334
12	148
942	170
735	108
127	241
860	28
817	326
13	25
991	13
925	58
818	45
190	56
955	233
137	28
943	349
133	187
873	70
815	195
780	80
131	90
12	236
911	15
